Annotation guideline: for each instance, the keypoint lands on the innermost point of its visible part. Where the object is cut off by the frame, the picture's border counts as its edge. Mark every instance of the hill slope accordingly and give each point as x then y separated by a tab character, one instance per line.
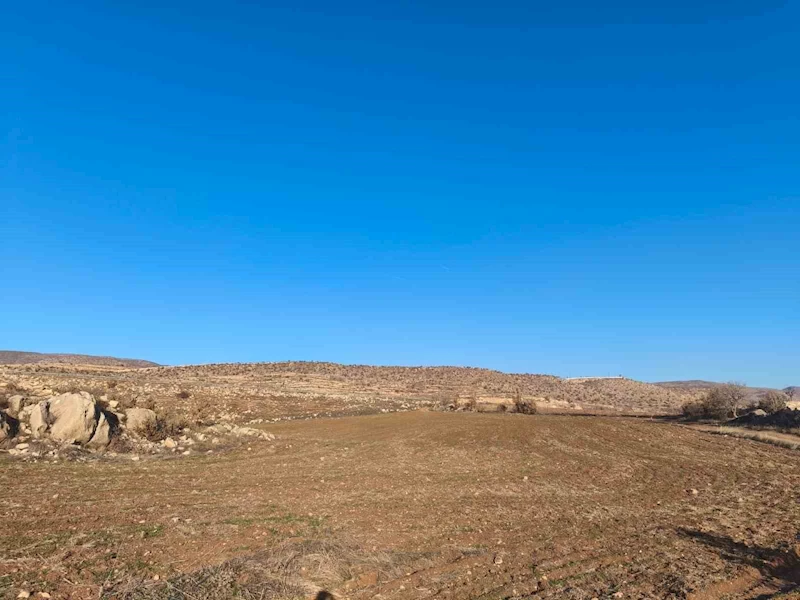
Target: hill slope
13	357
697	387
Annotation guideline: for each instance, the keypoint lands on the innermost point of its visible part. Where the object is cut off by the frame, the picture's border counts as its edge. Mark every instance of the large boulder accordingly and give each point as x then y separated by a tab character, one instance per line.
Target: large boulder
38	418
73	417
15	404
102	433
138	420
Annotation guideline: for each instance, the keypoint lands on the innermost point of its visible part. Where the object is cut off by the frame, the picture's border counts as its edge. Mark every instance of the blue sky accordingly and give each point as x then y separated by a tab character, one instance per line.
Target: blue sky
575	188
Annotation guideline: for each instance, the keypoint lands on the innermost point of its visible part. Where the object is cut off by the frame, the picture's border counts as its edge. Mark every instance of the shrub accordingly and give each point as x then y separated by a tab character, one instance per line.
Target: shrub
521	405
163	427
773	402
693	410
184	395
720	403
471	403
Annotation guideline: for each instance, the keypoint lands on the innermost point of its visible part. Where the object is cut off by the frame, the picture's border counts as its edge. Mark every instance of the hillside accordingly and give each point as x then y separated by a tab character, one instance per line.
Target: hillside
251	391
697	387
13	357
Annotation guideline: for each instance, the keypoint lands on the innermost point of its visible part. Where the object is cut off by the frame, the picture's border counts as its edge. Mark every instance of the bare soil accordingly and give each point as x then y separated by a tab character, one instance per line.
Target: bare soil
416	505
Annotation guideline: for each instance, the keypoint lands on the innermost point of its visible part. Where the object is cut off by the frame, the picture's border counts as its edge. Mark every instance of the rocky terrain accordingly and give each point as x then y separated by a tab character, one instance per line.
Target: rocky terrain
13	357
287	390
281	480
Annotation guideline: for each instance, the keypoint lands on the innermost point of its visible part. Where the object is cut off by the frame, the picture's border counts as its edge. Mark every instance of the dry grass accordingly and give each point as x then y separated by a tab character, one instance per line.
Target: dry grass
288	570
784	440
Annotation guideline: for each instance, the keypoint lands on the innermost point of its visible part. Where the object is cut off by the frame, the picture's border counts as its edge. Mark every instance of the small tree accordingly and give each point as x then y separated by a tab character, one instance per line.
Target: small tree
773	401
522	406
724	401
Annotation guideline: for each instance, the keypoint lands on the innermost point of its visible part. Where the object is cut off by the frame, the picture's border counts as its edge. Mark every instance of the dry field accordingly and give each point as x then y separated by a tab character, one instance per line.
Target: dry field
302	389
415	505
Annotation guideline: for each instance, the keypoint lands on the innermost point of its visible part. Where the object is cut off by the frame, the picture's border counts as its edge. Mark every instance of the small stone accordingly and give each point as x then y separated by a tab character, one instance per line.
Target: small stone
22	446
44	595
618	594
24	594
694	492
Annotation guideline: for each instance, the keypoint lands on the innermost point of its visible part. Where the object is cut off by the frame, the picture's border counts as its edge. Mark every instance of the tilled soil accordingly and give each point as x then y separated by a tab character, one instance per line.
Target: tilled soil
465	505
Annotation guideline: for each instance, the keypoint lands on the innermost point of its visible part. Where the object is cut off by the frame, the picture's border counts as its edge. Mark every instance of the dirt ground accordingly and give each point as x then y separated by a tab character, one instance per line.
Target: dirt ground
457	505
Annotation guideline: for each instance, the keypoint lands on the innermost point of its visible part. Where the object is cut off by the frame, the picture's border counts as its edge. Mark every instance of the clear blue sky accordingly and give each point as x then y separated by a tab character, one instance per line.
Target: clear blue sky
577	188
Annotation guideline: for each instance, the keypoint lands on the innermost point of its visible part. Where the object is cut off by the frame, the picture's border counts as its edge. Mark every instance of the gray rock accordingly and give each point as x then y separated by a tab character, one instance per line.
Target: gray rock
139	419
73	417
15	404
102	433
38	418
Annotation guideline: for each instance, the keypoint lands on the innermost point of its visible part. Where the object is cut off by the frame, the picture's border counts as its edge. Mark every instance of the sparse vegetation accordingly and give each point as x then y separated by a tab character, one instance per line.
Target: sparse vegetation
773	401
164	426
720	403
523	405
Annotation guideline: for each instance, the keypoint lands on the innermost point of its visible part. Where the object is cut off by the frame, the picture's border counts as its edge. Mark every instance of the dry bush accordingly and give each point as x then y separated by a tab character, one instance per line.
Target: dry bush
525	407
184	395
521	405
774	401
693	410
164	426
719	404
470	404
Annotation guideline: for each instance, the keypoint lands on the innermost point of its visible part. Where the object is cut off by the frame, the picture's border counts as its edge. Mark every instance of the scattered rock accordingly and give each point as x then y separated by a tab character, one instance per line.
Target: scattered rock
169	443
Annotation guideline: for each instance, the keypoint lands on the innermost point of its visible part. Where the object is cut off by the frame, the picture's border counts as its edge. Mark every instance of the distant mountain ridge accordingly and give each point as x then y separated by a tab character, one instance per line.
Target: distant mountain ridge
14	357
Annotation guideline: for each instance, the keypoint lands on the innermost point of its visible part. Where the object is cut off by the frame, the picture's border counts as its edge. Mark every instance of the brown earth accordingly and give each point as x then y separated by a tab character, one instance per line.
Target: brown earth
15	357
306	389
418	505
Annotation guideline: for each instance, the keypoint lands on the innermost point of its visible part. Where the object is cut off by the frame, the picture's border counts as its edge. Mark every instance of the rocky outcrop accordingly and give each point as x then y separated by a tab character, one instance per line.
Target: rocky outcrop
15	404
138	420
69	418
38	419
73	417
102	433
